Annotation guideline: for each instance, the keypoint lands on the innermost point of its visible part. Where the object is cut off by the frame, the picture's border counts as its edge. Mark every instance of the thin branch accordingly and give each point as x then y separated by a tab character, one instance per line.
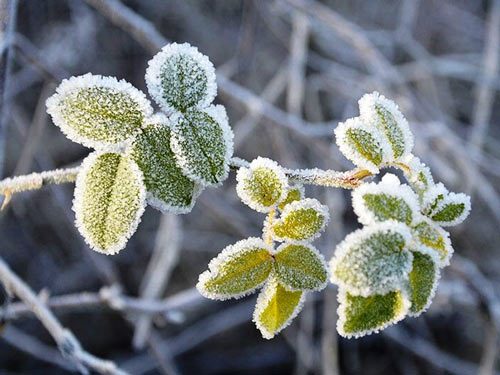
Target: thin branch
66	341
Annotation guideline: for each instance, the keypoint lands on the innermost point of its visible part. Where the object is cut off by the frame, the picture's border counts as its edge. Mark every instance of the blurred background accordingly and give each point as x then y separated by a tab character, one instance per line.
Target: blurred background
288	72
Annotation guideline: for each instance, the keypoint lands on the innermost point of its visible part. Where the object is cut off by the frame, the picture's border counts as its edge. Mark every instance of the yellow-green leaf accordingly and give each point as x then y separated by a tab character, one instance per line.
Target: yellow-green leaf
237	271
109	200
295	193
360	316
98	111
423	282
275	308
301	221
434	240
168	189
300	267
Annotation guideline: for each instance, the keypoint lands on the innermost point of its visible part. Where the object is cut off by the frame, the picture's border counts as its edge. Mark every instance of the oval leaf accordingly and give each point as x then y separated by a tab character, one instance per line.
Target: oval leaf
203	145
275	308
109	201
98	111
301	221
179	77
451	210
360	316
423	282
262	185
168	189
237	271
383	114
360	144
300	267
387	200
373	260
295	193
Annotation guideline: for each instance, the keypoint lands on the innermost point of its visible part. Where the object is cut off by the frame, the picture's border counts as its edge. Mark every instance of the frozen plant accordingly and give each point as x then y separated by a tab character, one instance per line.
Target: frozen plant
385	271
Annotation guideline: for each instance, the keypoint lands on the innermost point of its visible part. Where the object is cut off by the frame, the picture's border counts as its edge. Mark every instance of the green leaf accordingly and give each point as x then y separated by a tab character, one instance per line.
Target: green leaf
300	267
109	201
360	144
387	200
301	221
202	142
384	115
423	282
98	111
262	185
295	193
451	210
275	308
179	77
360	316
237	271
373	260
168	189
434	240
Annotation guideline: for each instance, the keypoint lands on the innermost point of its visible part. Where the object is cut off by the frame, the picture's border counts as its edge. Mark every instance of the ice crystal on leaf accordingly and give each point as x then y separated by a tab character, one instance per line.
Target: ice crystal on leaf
294	193
423	281
109	200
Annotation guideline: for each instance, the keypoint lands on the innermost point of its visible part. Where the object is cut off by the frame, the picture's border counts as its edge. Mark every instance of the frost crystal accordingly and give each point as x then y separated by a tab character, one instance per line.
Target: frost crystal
373	260
99	112
202	142
445	208
109	201
179	77
263	185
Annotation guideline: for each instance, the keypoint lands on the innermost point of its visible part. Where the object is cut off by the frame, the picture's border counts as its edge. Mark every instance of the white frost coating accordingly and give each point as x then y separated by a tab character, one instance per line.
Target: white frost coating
219	115
70	85
153	72
342	301
379	280
303	204
369	115
225	255
454	198
263	300
432	252
437	276
352	154
34	181
244	174
320	257
389	185
430	197
79	192
416	167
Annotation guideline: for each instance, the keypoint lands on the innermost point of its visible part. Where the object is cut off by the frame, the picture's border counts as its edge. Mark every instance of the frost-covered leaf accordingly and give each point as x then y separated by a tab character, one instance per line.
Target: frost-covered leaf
109	201
423	282
276	307
98	111
385	201
419	175
295	193
237	271
360	144
379	112
373	260
179	77
168	189
302	220
452	210
360	316
432	197
262	185
434	241
202	142
300	267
